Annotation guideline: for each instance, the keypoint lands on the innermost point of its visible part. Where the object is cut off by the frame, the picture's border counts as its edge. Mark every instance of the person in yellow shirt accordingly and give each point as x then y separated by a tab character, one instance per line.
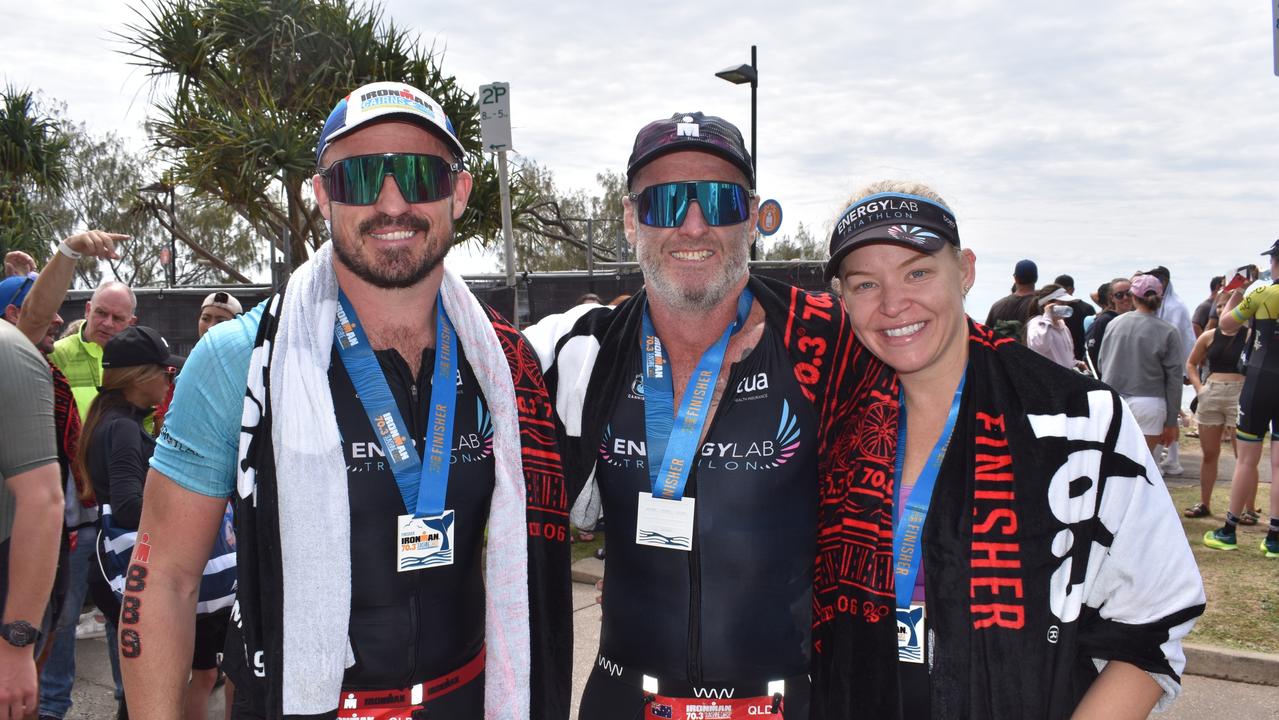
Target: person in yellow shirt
79	357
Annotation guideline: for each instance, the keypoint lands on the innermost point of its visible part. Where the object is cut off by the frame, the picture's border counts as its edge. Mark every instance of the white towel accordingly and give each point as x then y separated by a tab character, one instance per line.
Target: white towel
314	510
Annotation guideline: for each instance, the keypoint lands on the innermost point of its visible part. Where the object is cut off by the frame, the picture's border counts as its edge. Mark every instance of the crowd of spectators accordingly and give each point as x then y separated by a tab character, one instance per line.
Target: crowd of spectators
74	466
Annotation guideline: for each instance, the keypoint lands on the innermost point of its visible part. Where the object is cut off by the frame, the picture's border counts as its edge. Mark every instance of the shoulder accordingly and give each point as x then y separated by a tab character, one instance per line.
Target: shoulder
545	335
20	363
230	343
786	305
66	348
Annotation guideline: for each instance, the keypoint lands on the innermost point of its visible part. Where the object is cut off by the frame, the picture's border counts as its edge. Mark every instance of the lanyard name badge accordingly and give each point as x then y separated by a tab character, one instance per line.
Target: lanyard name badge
665	516
424	537
909	528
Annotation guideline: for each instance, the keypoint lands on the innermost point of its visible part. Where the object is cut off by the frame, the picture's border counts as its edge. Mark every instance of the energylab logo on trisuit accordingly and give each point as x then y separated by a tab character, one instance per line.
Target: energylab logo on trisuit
767	453
478	445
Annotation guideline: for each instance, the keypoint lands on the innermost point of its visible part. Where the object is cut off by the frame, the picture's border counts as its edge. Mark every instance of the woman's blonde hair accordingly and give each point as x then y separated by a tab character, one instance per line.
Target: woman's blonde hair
115	383
901	187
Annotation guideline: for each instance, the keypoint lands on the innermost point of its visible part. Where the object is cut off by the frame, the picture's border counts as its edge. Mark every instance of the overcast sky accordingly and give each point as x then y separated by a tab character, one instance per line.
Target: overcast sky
1096	137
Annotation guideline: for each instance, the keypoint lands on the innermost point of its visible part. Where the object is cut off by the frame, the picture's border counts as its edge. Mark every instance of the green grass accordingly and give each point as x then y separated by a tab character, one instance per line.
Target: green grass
1242	585
586	549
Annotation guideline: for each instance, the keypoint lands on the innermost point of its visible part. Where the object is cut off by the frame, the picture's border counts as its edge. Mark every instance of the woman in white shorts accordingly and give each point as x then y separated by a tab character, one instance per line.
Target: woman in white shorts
1141	359
1218	403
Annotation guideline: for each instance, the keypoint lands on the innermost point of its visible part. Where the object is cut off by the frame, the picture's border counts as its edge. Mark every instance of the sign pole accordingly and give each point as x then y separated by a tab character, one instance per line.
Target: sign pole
495	133
504	187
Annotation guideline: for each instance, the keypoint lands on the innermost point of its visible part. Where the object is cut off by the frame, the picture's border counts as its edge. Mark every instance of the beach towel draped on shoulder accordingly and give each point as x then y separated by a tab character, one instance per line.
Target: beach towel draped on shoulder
1051	548
295	583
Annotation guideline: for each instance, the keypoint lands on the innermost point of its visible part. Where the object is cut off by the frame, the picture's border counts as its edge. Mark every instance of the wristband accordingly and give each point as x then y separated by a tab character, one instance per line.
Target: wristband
65	249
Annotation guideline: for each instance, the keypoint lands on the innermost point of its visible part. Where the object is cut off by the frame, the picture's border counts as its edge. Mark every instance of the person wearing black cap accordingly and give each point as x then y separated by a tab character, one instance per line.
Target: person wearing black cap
1015	507
137	369
1009	315
1081	311
401	531
711	520
1258	407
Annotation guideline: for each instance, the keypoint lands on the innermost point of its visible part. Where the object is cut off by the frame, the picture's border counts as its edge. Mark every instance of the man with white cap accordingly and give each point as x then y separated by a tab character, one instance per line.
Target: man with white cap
217	308
400	511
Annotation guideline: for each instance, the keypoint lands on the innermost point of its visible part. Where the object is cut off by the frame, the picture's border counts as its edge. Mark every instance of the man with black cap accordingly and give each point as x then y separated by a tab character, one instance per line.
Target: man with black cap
1258	407
400	510
1008	316
1075	321
698	409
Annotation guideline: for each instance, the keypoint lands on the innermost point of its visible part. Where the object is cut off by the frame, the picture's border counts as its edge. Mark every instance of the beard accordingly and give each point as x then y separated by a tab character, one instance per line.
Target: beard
705	294
392	268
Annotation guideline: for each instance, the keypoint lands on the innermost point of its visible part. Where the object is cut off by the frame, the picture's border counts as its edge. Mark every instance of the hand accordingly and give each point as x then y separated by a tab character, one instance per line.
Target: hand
96	243
17	681
18	263
1169	435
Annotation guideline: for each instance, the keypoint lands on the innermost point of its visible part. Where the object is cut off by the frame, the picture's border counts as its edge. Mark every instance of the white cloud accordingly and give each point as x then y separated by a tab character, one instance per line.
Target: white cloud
1096	137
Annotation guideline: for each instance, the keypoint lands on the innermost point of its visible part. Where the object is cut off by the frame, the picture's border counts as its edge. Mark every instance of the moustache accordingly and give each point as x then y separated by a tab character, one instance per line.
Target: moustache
403	222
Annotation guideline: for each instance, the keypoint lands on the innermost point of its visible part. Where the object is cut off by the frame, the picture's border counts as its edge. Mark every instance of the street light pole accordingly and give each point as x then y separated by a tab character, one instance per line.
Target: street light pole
173	243
740	75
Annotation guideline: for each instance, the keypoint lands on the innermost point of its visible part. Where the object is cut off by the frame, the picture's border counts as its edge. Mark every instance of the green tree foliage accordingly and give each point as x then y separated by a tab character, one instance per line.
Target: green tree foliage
804	246
242	88
103	178
553	229
32	159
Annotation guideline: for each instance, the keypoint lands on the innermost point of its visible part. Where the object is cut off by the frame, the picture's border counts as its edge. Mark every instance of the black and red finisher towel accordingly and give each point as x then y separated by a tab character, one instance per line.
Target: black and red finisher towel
1051	546
549	585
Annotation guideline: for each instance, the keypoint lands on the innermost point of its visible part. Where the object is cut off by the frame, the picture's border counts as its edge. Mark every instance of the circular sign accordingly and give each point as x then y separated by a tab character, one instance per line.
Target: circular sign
770	217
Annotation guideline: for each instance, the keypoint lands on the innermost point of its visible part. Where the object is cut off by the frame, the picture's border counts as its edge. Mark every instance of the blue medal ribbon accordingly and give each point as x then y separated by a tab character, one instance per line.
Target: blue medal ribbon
422	486
674	438
909	527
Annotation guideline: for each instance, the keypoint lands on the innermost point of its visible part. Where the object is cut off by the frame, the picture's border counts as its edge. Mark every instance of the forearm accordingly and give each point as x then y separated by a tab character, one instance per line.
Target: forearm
157	635
157	619
1121	691
33	548
46	297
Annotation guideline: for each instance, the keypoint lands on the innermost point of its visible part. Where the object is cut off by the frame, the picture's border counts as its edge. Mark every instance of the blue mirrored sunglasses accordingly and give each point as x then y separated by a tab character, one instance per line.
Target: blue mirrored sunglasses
420	178
666	205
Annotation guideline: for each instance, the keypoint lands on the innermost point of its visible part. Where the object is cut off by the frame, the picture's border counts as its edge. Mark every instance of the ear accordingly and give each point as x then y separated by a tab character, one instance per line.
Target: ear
968	266
321	194
629	220
462	185
11	313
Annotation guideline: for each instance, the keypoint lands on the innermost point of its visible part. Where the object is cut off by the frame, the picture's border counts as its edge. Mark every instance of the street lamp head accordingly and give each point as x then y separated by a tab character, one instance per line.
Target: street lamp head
739	74
159	187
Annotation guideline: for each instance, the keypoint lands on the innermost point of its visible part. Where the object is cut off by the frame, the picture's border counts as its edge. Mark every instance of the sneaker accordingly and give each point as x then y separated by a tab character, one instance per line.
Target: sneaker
92	626
1270	548
1171	470
1217	540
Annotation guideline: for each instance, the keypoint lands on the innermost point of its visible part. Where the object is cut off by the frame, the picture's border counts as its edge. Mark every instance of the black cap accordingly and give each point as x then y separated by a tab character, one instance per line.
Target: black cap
908	220
1026	272
690	131
1274	249
138	345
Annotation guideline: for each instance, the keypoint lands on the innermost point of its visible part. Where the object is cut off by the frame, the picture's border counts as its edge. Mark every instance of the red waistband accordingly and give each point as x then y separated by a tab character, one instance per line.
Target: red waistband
661	707
399	704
